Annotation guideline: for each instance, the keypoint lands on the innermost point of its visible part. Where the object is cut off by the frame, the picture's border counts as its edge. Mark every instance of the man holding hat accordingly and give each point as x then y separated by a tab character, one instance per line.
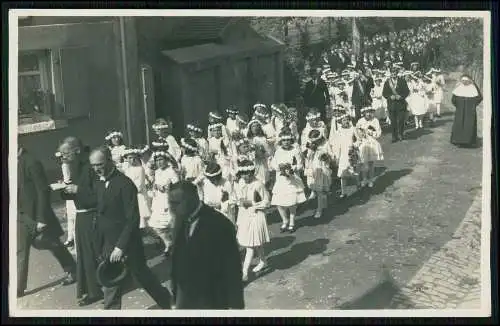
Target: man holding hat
36	221
316	94
396	91
119	237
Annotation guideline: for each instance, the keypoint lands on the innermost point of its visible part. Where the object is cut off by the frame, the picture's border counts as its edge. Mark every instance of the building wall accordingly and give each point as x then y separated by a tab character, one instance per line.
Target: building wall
103	85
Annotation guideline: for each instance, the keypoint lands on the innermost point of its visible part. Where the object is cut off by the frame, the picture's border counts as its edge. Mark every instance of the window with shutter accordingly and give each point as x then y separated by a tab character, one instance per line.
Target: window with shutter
75	82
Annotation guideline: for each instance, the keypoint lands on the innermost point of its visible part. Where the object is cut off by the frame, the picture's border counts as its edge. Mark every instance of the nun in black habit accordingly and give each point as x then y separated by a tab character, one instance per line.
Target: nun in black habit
466	97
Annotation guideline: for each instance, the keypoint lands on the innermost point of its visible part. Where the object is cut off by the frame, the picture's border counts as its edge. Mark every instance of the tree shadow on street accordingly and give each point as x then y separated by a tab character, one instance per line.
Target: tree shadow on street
381	296
278	243
440	122
297	254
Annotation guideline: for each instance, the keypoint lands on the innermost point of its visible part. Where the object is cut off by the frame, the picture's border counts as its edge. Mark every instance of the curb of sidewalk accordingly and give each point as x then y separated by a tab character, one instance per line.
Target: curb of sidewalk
451	278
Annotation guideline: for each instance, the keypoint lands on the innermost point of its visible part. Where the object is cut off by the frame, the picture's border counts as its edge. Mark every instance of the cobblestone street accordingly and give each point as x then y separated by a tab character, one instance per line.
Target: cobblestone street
413	241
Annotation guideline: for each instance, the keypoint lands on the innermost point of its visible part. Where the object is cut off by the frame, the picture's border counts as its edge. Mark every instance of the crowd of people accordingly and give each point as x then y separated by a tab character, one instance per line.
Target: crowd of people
276	157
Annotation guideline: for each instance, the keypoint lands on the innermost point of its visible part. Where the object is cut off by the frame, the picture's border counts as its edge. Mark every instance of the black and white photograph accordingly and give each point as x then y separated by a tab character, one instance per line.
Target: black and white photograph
249	163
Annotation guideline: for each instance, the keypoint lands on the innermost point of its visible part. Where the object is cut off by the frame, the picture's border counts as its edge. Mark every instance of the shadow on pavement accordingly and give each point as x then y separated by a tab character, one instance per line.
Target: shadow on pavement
379	297
278	243
417	133
297	254
341	206
44	287
440	122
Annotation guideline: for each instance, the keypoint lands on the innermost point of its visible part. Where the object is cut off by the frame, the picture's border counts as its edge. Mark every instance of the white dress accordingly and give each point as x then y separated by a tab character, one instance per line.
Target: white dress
417	101
116	155
340	149
370	149
262	159
160	216
379	103
215	147
307	129
202	147
192	167
439	82
318	173
138	175
251	223
231	126
287	190
211	195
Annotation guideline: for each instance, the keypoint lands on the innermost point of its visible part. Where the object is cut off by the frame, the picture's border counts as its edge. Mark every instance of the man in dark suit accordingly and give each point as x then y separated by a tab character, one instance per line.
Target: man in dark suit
361	92
35	217
316	93
118	228
395	92
206	265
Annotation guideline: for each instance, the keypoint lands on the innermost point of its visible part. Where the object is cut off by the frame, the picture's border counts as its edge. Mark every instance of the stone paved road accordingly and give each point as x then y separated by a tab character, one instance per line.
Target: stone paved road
343	260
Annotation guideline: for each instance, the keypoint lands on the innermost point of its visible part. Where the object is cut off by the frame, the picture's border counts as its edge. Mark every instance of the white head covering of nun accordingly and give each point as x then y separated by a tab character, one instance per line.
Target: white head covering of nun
463	90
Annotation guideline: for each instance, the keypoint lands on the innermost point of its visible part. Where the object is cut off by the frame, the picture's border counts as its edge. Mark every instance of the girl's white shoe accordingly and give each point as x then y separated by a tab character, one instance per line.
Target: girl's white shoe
260	266
317	214
370	184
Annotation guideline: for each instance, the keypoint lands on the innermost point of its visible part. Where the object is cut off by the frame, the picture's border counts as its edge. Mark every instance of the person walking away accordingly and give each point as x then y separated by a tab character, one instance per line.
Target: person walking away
118	230
465	97
35	217
395	92
70	205
82	192
252	233
206	265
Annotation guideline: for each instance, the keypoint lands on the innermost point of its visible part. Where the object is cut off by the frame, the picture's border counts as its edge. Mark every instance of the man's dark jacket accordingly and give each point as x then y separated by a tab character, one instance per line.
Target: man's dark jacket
206	270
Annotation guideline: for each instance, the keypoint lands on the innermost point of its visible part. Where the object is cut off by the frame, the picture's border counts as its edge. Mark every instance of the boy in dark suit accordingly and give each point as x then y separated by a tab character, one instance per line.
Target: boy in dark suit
34	217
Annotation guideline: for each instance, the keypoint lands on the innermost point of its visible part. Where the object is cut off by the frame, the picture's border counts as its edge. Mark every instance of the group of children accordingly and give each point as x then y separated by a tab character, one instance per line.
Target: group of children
245	166
426	92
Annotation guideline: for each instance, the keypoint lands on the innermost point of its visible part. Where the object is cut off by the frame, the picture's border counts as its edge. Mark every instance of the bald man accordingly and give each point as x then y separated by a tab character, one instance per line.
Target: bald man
118	229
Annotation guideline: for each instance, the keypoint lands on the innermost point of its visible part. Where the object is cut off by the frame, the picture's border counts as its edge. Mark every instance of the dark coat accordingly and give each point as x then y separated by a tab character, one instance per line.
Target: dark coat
33	199
361	94
316	96
401	89
206	270
86	197
118	215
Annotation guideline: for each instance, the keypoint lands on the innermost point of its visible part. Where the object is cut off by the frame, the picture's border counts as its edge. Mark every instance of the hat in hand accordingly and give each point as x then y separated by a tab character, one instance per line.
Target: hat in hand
111	274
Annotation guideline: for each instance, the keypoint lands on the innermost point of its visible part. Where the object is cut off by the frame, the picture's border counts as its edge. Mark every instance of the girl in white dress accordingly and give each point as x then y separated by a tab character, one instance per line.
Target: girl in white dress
417	101
292	122
430	89
439	82
278	118
252	233
335	124
368	128
313	122
262	116
196	133
217	192
163	129
318	171
231	122
214	117
288	189
135	172
261	149
379	103
192	166
114	140
345	152
242	124
219	149
165	176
